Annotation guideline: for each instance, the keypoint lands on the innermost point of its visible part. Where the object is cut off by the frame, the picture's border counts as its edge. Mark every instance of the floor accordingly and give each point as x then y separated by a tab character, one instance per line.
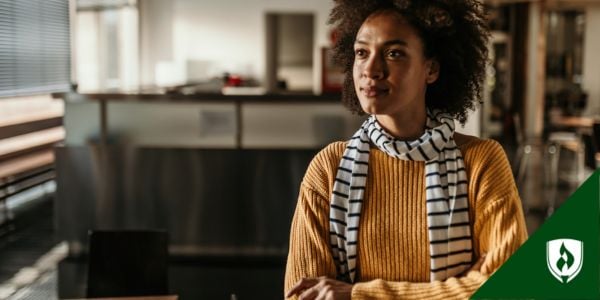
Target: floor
34	236
20	249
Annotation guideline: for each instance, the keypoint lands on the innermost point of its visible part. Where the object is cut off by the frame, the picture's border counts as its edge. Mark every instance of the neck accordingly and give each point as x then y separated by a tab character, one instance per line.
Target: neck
406	126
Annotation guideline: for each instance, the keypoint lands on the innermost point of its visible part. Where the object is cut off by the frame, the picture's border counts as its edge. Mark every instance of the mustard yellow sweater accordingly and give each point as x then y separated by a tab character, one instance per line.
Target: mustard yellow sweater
393	250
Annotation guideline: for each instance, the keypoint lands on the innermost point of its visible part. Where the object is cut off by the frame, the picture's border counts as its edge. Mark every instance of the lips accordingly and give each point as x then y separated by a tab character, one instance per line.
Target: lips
374	91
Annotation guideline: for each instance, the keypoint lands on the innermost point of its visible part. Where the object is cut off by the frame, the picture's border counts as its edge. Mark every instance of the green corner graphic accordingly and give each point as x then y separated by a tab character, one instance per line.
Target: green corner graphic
560	269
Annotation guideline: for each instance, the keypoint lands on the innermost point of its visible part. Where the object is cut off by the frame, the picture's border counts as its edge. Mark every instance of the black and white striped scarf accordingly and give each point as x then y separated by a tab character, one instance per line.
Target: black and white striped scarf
446	195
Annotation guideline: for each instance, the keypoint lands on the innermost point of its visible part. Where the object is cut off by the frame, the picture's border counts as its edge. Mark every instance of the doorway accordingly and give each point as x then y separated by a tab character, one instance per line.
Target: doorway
290	46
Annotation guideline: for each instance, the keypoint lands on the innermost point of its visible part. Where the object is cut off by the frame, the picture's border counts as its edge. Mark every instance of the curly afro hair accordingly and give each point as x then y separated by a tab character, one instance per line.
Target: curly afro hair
454	32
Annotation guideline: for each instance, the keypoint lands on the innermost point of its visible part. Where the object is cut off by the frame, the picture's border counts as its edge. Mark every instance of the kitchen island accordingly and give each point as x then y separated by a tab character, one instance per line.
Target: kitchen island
220	173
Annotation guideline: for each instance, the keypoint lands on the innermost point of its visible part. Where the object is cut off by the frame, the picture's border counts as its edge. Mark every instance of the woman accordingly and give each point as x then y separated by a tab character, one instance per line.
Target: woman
407	208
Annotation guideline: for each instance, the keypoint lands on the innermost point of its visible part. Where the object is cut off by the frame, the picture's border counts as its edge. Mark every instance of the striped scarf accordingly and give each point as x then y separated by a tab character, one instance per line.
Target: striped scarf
446	195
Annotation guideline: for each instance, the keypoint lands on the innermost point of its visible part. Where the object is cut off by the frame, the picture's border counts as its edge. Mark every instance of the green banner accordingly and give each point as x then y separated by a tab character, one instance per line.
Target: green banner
561	259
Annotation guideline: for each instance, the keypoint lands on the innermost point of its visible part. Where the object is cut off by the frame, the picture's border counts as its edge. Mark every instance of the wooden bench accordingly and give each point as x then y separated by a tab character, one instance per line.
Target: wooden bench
26	156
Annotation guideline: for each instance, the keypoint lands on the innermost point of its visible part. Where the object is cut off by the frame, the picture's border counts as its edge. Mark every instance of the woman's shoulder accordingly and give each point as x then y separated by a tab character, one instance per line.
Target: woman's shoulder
323	168
483	155
489	172
472	145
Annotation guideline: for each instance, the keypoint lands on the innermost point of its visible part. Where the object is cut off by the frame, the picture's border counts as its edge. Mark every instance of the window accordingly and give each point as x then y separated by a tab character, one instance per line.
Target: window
34	47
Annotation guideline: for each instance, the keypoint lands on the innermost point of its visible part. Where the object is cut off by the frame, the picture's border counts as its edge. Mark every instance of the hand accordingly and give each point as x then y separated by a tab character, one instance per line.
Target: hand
477	266
321	288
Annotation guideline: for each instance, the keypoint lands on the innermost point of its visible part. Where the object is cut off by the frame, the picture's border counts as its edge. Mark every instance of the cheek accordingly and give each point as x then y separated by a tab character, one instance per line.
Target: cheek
356	72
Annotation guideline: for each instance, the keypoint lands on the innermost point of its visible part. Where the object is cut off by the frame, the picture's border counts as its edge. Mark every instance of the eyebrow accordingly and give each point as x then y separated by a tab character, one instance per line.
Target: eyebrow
386	43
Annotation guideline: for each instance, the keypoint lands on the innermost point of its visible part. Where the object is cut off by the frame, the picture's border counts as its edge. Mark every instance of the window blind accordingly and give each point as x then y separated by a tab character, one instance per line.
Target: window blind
34	47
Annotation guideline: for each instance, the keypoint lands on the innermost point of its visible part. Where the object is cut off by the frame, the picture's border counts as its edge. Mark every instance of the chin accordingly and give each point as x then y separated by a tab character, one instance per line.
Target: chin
375	111
373	106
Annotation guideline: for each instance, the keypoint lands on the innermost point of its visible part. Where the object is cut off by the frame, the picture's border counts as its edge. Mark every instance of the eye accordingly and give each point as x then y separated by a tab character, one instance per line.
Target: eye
395	53
360	53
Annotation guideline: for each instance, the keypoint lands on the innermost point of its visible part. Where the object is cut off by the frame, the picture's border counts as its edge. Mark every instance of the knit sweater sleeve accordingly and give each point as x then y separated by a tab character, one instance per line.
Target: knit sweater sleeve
499	229
309	255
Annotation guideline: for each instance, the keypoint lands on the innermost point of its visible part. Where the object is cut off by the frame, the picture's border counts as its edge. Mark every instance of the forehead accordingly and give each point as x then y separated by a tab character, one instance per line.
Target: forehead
386	25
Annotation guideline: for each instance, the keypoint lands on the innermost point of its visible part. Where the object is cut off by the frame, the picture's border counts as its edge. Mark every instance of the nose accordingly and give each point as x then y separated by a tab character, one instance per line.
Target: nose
374	68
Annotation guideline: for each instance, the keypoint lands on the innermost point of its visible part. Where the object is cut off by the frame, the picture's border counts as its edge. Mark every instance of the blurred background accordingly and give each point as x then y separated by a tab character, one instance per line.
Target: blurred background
188	125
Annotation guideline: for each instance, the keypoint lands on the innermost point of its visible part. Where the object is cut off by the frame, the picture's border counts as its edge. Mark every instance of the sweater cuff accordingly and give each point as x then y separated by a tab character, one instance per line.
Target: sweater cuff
452	288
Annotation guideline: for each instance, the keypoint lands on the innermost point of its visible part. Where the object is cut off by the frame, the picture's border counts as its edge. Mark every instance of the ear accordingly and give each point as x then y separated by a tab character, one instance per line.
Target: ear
434	70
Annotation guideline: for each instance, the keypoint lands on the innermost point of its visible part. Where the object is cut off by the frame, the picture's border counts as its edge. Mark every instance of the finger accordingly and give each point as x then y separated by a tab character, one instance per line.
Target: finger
311	293
475	267
478	264
301	285
324	293
481	267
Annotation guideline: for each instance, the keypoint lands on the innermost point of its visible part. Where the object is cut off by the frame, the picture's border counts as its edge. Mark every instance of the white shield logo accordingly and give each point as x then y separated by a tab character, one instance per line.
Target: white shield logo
564	258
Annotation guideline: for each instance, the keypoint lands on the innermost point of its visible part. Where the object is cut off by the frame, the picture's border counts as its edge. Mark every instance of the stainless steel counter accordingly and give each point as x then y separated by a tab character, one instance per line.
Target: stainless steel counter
211	201
221	176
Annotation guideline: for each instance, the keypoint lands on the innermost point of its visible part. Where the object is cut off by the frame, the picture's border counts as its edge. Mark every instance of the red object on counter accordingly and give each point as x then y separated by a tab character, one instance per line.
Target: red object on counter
234	80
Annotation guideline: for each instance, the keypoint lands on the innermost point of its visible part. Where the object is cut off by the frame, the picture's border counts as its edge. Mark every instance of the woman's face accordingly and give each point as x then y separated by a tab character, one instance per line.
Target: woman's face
390	70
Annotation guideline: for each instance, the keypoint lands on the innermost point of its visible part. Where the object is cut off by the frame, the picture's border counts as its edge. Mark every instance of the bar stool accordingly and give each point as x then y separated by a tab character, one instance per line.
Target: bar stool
590	151
569	141
127	263
596	142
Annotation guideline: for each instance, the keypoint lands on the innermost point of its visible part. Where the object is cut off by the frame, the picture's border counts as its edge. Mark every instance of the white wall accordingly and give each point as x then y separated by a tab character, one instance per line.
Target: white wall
86	56
591	60
473	125
156	37
221	36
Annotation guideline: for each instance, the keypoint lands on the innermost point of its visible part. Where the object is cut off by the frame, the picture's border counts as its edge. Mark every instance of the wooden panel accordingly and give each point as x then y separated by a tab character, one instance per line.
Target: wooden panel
31	140
25	163
26	123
